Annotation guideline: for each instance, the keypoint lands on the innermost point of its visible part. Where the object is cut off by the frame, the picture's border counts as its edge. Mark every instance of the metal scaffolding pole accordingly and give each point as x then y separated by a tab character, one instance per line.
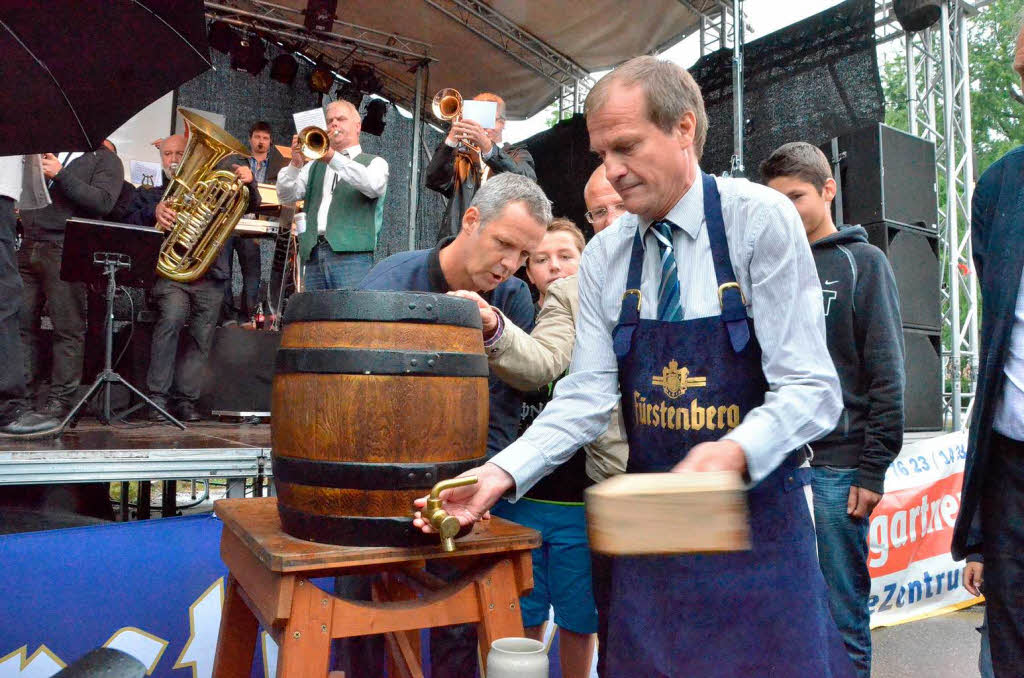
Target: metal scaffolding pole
414	171
737	89
937	66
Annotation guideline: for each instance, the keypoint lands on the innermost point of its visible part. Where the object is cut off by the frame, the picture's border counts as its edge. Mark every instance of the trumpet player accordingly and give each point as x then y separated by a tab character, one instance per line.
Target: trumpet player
344	194
456	170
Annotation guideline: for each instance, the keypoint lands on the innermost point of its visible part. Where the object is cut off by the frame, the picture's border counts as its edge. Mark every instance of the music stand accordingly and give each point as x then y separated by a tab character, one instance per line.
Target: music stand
95	252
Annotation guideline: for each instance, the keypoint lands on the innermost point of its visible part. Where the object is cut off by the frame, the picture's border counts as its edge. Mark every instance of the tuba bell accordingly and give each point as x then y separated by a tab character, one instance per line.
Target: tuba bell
208	202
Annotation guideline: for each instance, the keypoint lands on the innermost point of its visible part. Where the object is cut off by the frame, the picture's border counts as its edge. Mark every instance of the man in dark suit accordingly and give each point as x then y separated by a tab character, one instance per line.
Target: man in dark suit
991	519
457	171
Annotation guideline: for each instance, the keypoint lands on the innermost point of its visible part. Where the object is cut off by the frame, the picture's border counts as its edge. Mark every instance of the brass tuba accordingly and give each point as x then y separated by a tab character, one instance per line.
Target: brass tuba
208	202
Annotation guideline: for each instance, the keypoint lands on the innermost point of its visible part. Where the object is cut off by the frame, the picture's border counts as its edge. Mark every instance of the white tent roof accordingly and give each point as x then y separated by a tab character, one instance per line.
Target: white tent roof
523	50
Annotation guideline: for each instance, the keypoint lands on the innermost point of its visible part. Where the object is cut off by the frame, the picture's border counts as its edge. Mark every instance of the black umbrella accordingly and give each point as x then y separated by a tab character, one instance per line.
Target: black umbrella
75	70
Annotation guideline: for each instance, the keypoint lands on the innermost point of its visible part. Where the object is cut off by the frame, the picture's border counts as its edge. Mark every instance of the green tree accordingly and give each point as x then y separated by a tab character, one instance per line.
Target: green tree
997	102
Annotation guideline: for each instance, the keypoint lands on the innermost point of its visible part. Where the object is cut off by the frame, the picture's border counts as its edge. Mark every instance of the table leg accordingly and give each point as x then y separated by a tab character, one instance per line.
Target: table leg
239	629
306	641
498	597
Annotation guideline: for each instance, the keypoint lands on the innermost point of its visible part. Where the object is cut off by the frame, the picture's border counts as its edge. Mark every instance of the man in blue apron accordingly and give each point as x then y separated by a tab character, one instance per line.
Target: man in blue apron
702	307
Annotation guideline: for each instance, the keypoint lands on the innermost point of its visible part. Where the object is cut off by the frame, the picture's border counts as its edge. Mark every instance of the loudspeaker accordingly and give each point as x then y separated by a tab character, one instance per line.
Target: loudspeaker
887	175
922	399
914	256
240	371
917	15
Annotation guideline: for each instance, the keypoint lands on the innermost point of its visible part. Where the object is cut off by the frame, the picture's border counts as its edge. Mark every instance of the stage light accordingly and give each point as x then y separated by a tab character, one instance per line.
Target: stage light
348	92
222	37
320	14
321	79
249	56
363	78
373	121
283	68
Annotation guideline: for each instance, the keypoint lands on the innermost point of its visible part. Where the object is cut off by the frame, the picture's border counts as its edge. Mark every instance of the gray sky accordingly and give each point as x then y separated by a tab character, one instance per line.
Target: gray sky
763	17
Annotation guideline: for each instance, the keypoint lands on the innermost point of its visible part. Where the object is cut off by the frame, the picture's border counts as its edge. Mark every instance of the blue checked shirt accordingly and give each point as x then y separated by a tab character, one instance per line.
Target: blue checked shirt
775	270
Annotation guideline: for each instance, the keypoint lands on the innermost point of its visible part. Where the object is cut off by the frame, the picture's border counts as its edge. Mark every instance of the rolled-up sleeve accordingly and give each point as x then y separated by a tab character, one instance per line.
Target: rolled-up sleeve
583	399
804	401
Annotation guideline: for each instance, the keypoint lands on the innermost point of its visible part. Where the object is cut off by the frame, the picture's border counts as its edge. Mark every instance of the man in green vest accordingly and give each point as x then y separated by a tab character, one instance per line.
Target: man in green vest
344	195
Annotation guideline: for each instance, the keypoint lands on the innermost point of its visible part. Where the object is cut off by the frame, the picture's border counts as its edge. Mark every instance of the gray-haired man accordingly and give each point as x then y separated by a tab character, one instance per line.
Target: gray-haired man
506	219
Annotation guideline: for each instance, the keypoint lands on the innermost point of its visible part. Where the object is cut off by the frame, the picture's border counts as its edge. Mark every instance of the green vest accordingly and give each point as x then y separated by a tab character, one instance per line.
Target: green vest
353	220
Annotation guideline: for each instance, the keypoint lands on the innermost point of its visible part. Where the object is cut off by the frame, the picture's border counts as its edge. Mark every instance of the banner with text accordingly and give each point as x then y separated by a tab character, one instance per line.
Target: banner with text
913	574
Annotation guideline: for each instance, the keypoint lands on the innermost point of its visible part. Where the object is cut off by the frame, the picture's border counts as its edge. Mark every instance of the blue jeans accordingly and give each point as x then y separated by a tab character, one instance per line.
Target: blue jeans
843	554
329	270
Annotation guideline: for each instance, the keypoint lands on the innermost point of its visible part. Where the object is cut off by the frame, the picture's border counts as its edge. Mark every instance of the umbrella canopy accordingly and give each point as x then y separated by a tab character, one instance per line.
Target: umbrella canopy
76	70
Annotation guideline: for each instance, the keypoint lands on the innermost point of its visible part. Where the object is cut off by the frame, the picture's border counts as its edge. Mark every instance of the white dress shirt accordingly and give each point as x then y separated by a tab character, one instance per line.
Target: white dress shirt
11	167
773	265
1009	419
371	180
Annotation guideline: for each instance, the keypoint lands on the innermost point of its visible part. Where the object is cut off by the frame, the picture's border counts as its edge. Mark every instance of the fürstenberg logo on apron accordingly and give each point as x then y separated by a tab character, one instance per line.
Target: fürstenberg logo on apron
675	381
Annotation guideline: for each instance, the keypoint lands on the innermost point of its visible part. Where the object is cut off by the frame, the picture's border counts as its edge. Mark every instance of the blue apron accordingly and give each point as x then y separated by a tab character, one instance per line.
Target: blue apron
757	613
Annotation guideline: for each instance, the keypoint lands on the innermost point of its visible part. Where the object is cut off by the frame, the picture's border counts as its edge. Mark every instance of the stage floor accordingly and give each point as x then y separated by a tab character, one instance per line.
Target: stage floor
92	451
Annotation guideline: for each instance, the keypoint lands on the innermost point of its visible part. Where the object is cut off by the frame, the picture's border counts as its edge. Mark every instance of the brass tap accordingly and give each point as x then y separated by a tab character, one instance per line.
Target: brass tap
447	526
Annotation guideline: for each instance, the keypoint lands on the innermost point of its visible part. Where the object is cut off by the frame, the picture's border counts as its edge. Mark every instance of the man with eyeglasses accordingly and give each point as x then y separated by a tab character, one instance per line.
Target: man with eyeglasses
604	205
457	171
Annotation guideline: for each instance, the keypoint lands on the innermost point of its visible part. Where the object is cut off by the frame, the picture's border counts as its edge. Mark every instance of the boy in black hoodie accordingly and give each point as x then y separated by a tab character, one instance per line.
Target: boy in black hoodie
865	340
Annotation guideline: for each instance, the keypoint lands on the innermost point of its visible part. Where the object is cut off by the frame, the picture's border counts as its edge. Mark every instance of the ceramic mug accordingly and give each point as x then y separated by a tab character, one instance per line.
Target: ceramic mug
517	658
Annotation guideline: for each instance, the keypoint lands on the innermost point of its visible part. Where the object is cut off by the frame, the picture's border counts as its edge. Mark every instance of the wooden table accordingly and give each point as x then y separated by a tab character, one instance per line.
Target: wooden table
269	585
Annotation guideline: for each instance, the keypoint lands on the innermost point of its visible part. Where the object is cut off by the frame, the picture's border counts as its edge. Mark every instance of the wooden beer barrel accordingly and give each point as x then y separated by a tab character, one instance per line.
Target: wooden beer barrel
376	397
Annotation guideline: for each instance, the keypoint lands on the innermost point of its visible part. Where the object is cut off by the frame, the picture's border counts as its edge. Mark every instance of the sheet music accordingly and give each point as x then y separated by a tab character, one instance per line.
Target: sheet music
314	116
146	173
483	112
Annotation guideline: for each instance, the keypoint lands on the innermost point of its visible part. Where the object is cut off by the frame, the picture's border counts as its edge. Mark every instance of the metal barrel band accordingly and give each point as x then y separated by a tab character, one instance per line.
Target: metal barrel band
367	306
365	476
353	530
372	361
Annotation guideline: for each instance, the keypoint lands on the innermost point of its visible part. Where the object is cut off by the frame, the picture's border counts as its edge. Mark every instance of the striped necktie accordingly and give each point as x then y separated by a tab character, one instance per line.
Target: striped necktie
669	303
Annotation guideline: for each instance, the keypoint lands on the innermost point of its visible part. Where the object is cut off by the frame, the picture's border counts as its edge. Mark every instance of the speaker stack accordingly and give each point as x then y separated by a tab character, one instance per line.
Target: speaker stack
888	185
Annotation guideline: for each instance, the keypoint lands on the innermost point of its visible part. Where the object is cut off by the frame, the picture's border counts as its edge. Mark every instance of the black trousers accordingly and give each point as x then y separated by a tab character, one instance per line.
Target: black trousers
248	251
39	265
199	305
1002	525
13	395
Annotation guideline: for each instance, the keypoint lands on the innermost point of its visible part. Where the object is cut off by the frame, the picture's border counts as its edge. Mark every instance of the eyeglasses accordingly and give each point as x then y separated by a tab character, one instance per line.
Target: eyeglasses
602	212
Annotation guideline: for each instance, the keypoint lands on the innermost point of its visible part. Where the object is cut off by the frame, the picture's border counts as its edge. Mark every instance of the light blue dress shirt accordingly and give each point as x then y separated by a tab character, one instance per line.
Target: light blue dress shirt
774	267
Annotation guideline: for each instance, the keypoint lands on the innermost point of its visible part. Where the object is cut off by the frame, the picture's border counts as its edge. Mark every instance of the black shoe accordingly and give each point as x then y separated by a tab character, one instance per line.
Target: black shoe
55	408
32	424
154	415
187	412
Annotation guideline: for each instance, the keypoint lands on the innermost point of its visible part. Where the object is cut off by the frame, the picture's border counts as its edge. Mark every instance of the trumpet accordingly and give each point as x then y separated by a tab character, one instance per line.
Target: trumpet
447	106
315	141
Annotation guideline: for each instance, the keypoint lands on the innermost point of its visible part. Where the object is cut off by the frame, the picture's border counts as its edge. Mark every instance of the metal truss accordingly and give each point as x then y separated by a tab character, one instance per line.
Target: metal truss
717	29
350	41
939	109
503	33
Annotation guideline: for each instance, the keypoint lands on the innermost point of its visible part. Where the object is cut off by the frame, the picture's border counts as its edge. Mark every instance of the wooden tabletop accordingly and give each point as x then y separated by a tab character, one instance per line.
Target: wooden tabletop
256	523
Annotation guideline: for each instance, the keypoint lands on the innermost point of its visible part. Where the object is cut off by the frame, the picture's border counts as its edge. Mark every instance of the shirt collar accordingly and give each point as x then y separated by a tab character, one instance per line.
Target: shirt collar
353	151
687	214
434	273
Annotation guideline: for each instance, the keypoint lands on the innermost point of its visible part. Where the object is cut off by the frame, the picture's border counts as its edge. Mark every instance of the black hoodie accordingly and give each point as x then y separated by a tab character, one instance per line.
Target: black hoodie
865	339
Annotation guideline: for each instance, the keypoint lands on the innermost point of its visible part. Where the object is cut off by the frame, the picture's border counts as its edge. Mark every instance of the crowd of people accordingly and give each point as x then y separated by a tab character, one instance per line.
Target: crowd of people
790	321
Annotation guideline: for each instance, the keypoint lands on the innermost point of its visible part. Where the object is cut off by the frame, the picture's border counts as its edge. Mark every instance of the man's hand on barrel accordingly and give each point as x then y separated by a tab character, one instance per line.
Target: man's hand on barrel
721	455
470	503
488	315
